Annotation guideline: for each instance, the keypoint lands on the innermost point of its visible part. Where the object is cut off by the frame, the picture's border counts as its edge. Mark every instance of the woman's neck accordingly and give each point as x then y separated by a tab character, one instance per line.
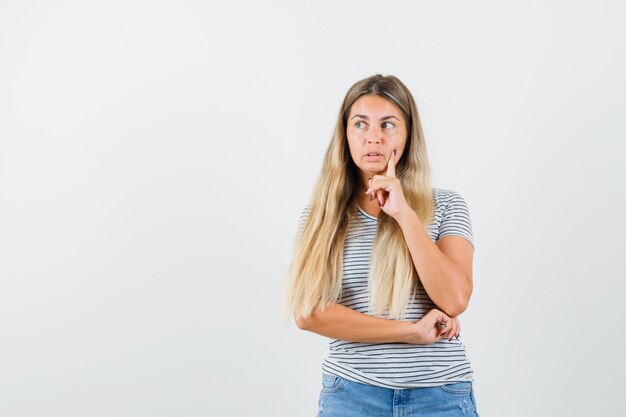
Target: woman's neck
370	207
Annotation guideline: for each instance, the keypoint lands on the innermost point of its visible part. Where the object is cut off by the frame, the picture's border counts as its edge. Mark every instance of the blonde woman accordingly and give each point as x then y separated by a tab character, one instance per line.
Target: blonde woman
383	266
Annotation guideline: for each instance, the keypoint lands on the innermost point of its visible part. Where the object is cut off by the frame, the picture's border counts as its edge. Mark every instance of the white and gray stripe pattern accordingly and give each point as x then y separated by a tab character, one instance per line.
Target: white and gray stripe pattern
397	365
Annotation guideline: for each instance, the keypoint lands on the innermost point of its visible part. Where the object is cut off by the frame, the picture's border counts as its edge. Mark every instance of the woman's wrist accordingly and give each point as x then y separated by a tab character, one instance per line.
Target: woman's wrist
406	217
406	331
411	333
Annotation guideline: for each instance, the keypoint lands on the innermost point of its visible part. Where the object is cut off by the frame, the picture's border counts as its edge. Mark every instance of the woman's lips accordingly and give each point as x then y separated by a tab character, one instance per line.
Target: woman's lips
373	157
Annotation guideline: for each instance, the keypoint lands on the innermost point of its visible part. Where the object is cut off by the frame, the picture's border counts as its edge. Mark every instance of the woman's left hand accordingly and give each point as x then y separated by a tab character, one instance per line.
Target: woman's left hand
388	190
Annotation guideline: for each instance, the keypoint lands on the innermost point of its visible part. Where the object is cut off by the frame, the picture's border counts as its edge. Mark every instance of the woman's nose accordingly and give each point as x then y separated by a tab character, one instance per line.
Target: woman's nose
373	136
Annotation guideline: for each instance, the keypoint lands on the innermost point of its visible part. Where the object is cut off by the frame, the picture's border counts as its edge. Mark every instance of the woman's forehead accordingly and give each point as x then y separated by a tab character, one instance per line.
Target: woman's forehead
374	106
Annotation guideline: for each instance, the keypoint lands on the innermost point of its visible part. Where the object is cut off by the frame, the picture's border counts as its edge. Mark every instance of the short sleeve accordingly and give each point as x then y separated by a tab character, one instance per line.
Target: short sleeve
456	218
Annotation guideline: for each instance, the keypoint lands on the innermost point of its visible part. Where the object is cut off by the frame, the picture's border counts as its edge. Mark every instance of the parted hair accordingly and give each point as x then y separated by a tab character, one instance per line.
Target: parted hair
315	274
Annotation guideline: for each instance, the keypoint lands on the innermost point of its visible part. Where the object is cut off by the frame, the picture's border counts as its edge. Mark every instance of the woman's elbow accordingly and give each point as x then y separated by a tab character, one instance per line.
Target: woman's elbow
303	323
310	321
459	304
456	308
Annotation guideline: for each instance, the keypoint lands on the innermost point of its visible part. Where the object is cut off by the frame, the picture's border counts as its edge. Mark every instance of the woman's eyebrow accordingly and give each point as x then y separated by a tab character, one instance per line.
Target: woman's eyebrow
390	117
362	116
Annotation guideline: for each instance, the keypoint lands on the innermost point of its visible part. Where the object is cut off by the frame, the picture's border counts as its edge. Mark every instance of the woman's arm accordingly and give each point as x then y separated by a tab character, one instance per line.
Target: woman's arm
445	270
340	322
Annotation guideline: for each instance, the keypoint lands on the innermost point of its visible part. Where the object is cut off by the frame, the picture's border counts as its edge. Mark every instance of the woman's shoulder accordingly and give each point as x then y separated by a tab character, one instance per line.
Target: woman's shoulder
444	196
449	202
453	217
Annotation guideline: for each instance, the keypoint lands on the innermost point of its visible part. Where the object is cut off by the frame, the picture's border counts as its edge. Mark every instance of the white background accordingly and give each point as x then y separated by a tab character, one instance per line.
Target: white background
155	156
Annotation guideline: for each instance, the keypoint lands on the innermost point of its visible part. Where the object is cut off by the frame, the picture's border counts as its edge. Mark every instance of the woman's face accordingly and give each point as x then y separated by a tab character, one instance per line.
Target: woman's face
375	128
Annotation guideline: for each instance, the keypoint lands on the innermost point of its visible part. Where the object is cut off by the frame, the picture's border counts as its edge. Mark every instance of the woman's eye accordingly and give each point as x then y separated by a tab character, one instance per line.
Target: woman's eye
359	125
387	125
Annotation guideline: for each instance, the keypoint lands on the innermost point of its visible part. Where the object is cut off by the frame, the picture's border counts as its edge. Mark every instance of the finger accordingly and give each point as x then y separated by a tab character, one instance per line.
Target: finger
442	328
443	317
391	165
379	196
383	183
443	335
378	182
448	329
438	317
453	329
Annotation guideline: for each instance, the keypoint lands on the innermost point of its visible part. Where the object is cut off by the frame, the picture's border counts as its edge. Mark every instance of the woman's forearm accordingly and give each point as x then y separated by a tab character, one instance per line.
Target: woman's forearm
340	322
444	281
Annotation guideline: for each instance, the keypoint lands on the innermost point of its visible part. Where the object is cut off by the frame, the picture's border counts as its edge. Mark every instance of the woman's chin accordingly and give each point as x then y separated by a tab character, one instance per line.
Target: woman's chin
372	169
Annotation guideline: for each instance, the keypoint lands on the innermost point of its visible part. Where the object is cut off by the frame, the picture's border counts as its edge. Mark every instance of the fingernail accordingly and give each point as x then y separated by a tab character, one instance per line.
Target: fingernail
379	205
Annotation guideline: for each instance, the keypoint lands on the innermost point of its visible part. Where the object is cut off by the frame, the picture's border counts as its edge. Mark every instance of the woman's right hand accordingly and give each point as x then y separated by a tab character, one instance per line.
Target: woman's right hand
427	330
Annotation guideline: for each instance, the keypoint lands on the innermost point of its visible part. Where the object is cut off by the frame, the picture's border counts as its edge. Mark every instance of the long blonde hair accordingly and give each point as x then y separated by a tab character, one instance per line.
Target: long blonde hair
314	277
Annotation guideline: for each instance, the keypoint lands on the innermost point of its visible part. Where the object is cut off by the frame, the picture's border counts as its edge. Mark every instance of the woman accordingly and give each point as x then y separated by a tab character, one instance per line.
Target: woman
383	266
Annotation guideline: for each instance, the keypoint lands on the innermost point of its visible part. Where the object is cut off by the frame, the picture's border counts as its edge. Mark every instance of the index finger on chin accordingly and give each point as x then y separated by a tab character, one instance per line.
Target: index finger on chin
391	165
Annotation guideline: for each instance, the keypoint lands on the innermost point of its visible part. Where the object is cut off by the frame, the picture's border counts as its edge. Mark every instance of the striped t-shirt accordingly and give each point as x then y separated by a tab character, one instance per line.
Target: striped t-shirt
397	365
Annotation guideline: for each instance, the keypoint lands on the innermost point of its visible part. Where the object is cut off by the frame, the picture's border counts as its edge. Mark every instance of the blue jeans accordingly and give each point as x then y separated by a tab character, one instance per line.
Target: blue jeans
343	398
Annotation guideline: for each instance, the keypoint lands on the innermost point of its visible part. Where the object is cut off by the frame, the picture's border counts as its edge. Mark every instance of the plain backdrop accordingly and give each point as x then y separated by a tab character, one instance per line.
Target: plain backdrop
155	157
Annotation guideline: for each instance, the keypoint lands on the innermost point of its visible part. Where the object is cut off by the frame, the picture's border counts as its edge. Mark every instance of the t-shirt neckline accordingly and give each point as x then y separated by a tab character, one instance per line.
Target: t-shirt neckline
366	214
